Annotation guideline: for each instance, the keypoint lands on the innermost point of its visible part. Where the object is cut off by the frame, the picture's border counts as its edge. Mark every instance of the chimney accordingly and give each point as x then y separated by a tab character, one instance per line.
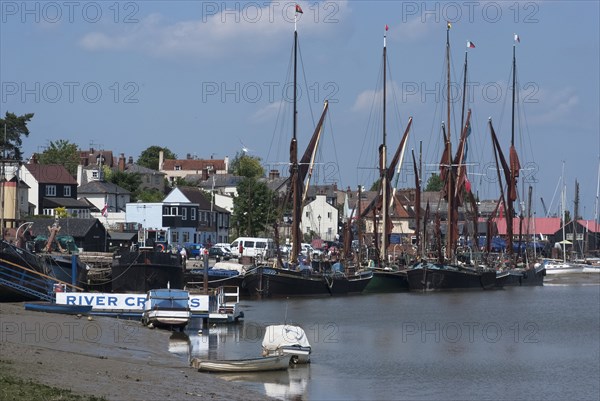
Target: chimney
130	160
161	159
189	156
122	162
226	160
273	175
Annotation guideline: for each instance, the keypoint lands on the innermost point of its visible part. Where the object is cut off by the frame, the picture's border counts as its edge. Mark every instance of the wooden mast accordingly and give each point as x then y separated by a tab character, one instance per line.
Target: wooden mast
449	190
383	167
295	182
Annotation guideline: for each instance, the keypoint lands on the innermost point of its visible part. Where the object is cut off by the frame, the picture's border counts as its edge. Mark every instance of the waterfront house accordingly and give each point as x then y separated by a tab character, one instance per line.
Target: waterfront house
51	186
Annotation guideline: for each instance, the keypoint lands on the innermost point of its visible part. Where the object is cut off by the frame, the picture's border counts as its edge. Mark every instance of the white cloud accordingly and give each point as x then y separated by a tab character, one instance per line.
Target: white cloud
267	113
554	106
372	98
411	30
250	30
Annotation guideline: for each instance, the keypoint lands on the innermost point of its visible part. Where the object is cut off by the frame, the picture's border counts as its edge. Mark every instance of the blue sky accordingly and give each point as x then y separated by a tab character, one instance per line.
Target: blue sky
205	77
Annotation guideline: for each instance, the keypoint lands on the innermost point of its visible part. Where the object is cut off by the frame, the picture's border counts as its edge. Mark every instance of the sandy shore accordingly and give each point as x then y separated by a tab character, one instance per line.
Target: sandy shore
105	357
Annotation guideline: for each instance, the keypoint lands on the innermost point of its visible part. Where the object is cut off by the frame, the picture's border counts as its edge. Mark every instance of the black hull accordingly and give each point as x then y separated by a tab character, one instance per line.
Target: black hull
266	282
444	277
521	278
388	281
18	266
142	271
62	269
196	280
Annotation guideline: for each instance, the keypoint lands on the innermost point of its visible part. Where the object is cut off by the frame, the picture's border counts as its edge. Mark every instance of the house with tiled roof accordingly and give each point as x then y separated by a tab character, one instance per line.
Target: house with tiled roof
213	221
101	193
51	186
181	168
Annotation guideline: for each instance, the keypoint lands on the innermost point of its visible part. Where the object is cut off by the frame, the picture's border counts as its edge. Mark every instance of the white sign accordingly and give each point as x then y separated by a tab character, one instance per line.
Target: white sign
119	302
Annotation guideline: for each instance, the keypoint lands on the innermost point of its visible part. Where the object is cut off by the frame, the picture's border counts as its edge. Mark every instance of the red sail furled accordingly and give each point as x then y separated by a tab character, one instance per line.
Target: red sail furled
461	171
515	166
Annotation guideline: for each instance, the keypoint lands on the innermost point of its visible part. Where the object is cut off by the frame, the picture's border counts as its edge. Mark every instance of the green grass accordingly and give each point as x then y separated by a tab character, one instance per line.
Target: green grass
15	389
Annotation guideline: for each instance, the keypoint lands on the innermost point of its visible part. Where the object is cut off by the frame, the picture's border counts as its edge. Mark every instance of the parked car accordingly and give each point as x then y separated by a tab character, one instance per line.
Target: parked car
223	245
219	253
194	251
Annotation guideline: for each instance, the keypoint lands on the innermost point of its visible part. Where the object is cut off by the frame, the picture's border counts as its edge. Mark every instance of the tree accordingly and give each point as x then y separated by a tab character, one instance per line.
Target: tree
15	127
128	181
434	183
149	157
246	166
151	195
253	207
61	152
376	185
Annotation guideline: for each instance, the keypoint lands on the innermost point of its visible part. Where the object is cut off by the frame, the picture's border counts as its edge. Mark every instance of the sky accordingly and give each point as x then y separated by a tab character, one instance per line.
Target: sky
208	78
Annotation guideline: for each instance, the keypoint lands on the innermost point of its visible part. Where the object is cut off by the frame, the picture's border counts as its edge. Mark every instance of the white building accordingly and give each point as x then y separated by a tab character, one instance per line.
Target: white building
320	217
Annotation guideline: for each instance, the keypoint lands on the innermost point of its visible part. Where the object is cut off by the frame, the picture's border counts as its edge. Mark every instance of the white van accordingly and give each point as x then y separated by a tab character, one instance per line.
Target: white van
253	246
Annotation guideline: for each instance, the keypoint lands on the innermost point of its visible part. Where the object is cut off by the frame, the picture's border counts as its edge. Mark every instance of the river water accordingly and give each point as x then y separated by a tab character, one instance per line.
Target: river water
526	343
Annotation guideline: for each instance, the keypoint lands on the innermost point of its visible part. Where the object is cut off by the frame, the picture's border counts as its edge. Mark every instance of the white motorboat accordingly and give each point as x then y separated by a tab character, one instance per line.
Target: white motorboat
167	307
286	340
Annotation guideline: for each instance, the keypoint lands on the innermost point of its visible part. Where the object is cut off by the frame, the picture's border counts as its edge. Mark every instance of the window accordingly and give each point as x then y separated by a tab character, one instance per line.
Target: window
173	211
579	236
174	237
193	214
177	168
307	214
329	215
166	210
67	191
570	236
95	174
48	212
183	214
186	237
50	190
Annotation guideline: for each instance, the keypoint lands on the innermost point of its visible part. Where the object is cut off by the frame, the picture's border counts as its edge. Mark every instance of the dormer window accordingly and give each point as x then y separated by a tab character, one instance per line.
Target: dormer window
67	192
177	168
50	190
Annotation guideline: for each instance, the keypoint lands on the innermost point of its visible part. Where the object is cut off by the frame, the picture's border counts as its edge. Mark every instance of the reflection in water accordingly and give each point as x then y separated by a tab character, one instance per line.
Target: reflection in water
239	341
289	384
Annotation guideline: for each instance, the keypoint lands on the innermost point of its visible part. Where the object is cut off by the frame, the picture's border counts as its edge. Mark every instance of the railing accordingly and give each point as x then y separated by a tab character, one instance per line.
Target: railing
30	282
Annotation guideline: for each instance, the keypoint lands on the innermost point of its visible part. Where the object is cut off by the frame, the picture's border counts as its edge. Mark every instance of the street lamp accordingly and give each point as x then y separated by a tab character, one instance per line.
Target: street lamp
319	218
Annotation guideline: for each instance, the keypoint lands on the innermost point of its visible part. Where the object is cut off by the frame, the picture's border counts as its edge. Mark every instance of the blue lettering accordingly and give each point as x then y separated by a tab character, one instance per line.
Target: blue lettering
141	302
88	300
112	301
100	301
129	301
194	302
71	299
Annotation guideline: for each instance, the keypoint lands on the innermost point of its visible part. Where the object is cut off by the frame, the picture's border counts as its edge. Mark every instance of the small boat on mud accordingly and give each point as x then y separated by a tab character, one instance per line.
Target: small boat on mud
278	362
167	308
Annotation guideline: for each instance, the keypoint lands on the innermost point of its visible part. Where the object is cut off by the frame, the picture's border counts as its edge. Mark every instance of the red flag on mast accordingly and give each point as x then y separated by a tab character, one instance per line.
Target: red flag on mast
299	9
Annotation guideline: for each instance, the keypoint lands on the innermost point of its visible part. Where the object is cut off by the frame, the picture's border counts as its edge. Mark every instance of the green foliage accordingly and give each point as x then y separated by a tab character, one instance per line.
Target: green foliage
246	166
16	127
151	195
434	183
253	209
149	157
61	152
181	182
376	185
61	212
128	181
